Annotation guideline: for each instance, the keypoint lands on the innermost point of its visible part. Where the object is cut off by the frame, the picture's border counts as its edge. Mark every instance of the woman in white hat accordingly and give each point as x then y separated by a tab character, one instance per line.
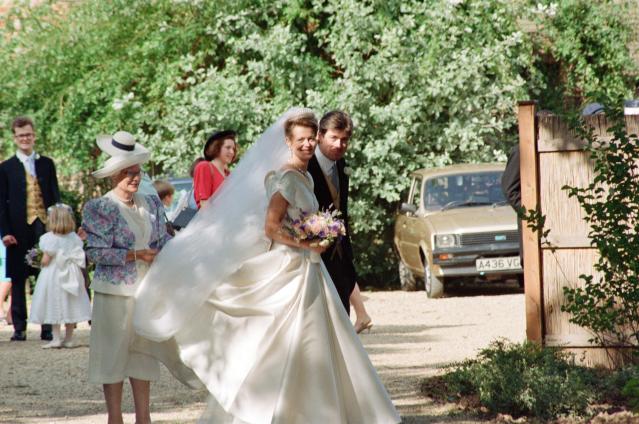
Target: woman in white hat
125	230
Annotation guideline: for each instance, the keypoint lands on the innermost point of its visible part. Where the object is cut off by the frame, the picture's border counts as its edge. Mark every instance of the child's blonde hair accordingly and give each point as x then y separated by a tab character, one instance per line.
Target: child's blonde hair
60	219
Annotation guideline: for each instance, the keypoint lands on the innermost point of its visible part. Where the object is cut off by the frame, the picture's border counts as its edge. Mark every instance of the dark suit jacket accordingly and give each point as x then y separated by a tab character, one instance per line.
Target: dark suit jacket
511	187
510	180
340	267
13	204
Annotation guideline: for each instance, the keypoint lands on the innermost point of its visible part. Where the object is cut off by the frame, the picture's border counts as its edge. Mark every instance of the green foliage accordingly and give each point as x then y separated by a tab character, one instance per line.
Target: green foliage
631	392
525	380
618	387
588	44
72	199
428	83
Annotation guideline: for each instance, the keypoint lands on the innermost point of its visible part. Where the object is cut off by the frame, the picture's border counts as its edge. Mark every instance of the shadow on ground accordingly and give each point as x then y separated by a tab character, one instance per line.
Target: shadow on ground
479	288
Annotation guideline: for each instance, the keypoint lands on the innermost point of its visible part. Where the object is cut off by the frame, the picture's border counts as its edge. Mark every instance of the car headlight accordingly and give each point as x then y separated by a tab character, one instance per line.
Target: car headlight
445	240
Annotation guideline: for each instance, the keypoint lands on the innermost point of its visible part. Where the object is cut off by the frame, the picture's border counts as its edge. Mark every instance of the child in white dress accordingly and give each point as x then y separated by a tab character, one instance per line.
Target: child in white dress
60	296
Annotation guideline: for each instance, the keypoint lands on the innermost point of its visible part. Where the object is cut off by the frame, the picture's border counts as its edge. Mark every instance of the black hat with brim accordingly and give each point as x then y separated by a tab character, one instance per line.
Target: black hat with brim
217	136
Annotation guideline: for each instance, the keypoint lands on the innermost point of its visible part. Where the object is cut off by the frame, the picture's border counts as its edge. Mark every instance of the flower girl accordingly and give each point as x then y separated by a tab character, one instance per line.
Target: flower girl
60	297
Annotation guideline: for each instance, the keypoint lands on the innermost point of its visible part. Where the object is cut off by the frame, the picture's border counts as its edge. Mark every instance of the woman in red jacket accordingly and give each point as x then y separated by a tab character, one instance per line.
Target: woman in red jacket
220	151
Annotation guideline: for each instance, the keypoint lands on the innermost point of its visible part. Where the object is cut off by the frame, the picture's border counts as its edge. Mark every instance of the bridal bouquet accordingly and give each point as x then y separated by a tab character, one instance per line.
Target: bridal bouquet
33	257
324	227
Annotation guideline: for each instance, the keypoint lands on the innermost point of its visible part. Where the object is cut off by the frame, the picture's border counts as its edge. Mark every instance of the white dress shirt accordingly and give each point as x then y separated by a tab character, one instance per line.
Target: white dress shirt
329	167
28	161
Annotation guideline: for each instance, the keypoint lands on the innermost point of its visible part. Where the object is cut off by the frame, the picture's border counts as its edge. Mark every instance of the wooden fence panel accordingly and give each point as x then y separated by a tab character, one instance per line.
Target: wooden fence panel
564	215
562	269
553	156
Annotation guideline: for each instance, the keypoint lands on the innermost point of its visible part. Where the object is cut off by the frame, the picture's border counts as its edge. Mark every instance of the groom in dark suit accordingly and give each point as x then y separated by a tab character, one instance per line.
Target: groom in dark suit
331	189
28	186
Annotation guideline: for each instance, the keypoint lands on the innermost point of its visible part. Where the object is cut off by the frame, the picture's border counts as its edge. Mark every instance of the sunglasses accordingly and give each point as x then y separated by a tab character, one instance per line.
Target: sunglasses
132	174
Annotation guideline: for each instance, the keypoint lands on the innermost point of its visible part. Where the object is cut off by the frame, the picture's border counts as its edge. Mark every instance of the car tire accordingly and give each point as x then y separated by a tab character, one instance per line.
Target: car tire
407	279
434	286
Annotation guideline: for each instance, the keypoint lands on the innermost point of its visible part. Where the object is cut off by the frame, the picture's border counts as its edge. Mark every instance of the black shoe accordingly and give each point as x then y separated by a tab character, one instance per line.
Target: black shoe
19	336
46	335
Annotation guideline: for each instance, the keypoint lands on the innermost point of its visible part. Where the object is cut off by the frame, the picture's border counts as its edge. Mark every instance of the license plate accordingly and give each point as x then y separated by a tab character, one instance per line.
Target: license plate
498	264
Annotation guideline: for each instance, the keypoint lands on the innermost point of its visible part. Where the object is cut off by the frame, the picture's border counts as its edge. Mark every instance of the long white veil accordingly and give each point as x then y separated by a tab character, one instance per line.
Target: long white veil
226	232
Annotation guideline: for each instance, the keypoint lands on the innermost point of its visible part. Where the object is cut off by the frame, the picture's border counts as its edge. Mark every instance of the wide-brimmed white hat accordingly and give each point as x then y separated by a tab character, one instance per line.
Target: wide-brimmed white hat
124	152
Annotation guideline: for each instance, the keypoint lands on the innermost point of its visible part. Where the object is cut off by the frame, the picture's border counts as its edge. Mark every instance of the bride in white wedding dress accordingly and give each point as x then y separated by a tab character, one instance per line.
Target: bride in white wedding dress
267	335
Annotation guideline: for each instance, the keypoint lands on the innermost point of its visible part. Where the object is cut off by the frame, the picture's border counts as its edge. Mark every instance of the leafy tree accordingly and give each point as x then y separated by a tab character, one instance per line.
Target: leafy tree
428	83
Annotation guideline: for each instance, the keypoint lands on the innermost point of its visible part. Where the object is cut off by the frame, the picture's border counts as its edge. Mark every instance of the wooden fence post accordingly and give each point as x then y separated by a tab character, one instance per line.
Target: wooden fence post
529	172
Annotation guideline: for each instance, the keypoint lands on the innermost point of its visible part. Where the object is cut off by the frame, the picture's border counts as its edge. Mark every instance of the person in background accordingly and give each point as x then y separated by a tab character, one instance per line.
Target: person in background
191	195
329	171
28	186
5	288
165	191
60	296
194	164
511	180
220	151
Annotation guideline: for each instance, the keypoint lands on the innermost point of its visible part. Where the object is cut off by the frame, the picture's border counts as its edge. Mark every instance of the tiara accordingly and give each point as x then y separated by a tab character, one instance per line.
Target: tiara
295	112
59	206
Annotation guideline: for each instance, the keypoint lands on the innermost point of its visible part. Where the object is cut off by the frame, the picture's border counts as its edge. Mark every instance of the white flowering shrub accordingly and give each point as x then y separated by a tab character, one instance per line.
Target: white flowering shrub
428	83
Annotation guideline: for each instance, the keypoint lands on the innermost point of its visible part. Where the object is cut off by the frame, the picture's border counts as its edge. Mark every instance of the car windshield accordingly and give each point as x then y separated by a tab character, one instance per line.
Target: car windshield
463	190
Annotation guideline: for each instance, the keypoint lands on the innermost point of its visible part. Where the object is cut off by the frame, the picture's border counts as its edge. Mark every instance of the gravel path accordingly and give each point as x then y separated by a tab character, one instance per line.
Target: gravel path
412	338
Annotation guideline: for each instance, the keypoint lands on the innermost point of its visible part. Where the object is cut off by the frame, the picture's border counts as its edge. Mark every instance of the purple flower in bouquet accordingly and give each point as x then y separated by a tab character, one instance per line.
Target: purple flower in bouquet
33	258
324	227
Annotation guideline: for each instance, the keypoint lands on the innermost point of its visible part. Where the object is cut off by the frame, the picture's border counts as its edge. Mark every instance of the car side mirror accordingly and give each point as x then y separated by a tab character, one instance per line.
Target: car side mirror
408	208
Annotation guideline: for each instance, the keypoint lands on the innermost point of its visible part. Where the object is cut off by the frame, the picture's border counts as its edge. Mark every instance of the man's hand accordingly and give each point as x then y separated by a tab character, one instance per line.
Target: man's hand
9	240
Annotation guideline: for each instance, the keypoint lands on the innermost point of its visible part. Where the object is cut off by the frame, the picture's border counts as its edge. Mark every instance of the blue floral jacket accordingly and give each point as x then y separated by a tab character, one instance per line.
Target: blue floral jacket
109	238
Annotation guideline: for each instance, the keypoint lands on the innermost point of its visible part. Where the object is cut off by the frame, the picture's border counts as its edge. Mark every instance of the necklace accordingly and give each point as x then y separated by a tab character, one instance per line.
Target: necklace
129	202
299	169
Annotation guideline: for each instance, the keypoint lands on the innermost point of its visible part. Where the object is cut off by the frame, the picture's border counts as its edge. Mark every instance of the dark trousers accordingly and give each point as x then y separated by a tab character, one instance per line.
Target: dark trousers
18	281
342	282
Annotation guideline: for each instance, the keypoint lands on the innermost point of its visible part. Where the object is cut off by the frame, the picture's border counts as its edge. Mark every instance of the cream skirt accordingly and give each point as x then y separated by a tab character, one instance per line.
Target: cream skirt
111	359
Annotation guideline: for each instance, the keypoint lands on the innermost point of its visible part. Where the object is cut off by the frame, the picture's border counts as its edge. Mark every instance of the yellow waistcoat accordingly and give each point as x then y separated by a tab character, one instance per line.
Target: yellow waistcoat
35	203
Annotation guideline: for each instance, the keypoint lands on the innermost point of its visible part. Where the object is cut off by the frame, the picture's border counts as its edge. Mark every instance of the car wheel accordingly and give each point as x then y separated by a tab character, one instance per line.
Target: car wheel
434	286
406	278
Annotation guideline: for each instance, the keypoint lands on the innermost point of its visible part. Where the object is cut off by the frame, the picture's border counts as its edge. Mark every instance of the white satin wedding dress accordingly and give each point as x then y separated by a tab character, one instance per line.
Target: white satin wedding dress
273	344
261	325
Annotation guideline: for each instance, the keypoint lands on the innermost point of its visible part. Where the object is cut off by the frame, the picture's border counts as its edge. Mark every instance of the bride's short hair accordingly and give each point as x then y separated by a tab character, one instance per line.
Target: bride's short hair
304	119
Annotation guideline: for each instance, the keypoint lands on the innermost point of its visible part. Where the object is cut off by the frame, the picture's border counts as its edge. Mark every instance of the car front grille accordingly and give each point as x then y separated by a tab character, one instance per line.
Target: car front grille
489	238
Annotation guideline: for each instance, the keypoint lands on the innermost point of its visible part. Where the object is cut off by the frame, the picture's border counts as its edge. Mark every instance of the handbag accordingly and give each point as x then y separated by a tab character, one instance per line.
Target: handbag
169	226
183	218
